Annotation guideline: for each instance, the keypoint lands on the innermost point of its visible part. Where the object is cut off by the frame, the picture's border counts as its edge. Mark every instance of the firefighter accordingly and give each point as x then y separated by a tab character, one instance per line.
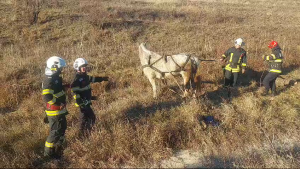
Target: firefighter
55	98
236	59
275	68
83	95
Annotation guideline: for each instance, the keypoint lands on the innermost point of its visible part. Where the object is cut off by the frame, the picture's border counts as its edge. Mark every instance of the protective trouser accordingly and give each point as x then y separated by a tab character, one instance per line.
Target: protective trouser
87	119
56	139
269	82
230	78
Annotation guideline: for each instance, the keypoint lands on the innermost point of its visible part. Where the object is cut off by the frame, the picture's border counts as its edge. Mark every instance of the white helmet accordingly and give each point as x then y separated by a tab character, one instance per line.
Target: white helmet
79	62
239	41
54	64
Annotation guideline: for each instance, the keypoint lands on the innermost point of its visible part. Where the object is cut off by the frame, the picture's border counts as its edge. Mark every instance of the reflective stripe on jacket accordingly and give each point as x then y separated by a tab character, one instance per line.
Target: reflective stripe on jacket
53	93
236	58
275	60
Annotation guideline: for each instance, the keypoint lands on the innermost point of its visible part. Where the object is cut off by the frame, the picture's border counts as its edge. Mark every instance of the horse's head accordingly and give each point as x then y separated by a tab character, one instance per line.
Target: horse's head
143	53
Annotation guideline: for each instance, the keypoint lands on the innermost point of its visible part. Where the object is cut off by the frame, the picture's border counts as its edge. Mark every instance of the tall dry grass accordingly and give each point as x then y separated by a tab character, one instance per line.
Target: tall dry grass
133	129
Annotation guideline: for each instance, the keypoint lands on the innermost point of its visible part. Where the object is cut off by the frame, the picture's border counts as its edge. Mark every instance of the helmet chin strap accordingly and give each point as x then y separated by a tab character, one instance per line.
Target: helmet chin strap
50	72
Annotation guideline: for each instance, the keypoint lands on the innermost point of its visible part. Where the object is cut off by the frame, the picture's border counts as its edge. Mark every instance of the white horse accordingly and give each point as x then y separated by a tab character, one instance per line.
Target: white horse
159	67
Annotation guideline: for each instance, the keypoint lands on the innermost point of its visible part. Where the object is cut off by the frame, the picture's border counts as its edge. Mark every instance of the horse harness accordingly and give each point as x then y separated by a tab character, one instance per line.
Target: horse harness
179	69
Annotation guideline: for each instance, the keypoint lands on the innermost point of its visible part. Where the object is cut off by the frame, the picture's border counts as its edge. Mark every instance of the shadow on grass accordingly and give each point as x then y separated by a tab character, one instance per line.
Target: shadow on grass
220	162
140	111
5	110
9	151
289	153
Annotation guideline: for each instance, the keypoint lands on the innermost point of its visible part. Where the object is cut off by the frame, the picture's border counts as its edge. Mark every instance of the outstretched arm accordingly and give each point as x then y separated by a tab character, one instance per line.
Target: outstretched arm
94	79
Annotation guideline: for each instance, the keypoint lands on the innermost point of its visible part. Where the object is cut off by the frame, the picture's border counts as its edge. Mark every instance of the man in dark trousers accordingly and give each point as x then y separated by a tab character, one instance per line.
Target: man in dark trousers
83	95
275	61
55	98
236	59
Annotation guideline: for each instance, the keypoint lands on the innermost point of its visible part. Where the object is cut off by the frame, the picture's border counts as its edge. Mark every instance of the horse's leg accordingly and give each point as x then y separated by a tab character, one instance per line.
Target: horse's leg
152	81
186	75
164	81
196	78
193	84
197	81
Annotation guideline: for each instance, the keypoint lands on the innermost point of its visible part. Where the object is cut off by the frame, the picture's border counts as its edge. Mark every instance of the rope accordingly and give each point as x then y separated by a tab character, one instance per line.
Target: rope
209	60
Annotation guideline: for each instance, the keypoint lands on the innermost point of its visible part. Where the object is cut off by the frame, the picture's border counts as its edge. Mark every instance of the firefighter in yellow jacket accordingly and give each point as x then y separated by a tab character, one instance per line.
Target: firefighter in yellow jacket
236	60
55	98
275	61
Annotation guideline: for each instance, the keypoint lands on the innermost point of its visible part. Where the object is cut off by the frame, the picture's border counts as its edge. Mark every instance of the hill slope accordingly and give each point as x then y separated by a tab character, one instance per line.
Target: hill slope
132	128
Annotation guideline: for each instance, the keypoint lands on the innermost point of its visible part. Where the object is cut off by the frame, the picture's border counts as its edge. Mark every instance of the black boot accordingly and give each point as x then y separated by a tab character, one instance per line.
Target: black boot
273	94
50	153
229	94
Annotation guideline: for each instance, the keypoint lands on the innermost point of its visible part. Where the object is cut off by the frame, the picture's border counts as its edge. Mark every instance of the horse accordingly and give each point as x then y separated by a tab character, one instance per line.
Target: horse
156	66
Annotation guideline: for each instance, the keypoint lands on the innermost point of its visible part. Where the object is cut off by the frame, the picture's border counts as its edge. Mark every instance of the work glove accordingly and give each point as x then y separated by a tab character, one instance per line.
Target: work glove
84	103
62	106
46	121
243	71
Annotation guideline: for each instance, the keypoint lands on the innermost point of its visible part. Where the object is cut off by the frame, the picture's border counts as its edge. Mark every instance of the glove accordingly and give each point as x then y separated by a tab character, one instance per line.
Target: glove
243	71
62	106
84	103
46	121
105	78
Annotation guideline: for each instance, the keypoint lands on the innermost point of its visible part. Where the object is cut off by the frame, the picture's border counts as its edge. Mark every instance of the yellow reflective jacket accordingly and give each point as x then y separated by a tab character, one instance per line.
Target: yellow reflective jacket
275	60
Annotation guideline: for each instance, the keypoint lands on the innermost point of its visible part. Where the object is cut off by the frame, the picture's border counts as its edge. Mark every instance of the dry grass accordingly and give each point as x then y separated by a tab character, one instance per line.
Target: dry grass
133	129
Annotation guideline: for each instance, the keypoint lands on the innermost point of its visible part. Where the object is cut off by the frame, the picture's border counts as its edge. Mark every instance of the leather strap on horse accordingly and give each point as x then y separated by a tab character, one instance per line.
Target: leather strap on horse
152	67
181	67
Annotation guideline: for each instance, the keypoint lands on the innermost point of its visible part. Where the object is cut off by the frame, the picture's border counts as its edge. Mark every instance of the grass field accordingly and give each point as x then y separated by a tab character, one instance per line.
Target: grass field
132	128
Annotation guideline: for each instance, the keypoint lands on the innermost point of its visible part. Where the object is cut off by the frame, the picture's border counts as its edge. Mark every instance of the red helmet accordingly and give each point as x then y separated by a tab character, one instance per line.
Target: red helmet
272	44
